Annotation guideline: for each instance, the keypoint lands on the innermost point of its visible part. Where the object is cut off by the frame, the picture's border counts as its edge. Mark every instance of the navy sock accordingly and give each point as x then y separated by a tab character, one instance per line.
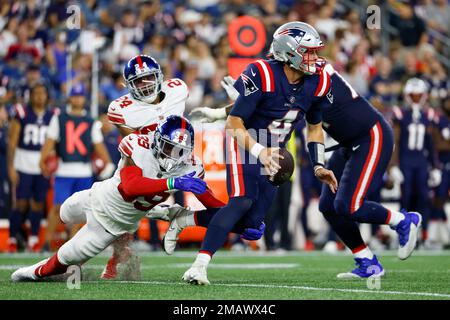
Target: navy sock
15	222
346	229
35	221
223	222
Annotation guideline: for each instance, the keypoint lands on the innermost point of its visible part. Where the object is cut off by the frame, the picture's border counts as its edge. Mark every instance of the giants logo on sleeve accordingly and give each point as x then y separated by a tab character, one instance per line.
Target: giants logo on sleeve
249	85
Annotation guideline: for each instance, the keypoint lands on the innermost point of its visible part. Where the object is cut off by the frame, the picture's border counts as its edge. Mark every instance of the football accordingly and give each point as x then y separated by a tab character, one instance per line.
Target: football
287	168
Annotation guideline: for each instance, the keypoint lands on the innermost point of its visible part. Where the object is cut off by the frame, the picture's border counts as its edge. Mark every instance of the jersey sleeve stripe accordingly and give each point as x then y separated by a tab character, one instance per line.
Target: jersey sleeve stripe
125	151
116	120
266	75
324	84
20	110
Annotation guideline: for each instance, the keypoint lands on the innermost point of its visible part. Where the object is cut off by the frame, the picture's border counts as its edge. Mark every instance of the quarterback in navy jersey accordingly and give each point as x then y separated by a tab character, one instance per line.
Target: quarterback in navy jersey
359	163
274	95
26	137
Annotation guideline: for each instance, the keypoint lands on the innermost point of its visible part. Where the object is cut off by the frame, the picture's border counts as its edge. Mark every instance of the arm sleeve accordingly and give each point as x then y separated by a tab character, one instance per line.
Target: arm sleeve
53	128
250	93
96	133
133	184
209	200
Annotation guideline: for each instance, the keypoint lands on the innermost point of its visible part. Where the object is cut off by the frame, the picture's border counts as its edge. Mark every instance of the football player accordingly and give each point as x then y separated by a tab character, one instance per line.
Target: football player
150	100
415	155
25	139
151	167
274	95
359	162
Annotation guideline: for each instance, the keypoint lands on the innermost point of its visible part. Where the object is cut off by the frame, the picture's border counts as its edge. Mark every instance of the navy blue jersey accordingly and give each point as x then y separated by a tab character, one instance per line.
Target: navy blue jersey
443	125
350	116
415	146
271	106
33	127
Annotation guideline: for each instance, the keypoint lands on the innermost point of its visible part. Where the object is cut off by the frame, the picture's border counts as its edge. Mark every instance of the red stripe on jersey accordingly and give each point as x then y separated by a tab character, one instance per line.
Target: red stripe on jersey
116	120
263	78
125	151
271	87
324	82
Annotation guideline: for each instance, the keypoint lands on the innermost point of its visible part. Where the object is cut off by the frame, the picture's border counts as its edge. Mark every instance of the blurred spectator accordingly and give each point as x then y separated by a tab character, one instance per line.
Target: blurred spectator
437	15
383	84
25	139
23	51
113	89
411	28
8	36
356	79
4	185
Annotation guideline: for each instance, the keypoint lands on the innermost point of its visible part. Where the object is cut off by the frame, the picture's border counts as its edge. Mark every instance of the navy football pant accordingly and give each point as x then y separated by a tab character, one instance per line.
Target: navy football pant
250	195
415	190
359	170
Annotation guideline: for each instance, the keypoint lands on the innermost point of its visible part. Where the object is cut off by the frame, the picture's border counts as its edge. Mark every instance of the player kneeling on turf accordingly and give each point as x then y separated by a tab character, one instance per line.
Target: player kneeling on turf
151	167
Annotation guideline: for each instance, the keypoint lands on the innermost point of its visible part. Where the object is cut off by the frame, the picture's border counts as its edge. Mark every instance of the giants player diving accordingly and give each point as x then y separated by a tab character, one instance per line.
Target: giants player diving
151	167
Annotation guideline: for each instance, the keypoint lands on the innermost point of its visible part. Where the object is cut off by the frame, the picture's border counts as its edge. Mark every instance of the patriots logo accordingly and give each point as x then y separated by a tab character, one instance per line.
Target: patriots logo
249	85
297	34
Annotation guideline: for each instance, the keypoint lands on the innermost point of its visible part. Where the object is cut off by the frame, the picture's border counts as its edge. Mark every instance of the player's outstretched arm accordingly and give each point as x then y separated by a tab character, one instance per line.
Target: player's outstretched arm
209	200
316	149
207	114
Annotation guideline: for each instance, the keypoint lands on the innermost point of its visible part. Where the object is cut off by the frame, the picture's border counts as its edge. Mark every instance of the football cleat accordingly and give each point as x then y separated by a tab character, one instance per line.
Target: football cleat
177	224
12	246
110	270
27	273
408	230
196	275
365	268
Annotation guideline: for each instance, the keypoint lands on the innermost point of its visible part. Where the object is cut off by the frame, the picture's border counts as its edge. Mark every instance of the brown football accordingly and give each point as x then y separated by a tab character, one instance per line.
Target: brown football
286	170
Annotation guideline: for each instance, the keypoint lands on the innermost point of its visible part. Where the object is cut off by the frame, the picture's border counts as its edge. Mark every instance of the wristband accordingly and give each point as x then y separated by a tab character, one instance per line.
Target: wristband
256	150
316	168
170	183
316	153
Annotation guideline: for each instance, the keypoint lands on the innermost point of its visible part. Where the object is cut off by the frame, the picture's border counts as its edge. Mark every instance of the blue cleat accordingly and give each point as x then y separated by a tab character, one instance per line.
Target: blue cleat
408	230
365	268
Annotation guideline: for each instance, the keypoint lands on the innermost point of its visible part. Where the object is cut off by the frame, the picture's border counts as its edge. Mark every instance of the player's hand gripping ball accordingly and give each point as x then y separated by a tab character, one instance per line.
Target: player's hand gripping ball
287	168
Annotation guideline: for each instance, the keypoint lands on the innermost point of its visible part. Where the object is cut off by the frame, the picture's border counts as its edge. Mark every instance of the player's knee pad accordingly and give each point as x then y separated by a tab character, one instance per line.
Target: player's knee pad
72	210
342	207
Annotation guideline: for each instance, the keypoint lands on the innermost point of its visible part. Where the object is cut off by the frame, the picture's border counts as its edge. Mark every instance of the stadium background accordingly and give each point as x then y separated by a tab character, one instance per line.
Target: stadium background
191	40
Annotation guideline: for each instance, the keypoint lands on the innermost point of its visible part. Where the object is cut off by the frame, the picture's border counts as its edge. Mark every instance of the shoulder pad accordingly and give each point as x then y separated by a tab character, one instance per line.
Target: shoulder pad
177	87
20	111
398	113
128	144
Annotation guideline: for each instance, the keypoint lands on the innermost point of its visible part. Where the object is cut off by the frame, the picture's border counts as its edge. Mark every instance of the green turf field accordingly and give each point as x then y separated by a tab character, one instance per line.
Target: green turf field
249	275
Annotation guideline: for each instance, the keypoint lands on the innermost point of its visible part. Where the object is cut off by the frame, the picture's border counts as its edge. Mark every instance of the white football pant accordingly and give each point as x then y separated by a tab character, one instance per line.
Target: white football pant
91	239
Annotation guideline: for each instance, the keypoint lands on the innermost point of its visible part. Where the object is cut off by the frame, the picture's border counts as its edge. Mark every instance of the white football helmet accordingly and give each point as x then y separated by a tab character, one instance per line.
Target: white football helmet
415	91
296	43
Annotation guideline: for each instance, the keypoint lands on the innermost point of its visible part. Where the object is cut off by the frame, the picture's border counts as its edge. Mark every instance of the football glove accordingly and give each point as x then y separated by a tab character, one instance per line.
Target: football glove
435	178
107	171
254	234
208	114
228	84
187	183
396	174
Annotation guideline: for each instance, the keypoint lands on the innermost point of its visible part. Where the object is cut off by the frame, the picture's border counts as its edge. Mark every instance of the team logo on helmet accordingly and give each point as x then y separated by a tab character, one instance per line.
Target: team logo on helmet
249	85
297	34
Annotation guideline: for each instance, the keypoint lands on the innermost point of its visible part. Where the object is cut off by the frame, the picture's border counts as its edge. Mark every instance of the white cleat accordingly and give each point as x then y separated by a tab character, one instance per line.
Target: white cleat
27	273
178	222
408	231
196	275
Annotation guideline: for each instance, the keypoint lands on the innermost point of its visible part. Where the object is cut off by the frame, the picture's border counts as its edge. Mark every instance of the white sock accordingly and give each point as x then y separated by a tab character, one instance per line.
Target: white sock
364	253
202	259
396	218
33	240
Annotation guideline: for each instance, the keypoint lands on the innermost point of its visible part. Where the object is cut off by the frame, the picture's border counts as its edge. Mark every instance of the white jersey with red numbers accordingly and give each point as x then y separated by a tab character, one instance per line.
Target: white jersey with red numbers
138	115
109	207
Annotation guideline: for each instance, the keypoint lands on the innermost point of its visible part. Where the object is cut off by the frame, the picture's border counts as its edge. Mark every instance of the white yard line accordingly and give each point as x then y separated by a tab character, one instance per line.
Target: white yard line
304	288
